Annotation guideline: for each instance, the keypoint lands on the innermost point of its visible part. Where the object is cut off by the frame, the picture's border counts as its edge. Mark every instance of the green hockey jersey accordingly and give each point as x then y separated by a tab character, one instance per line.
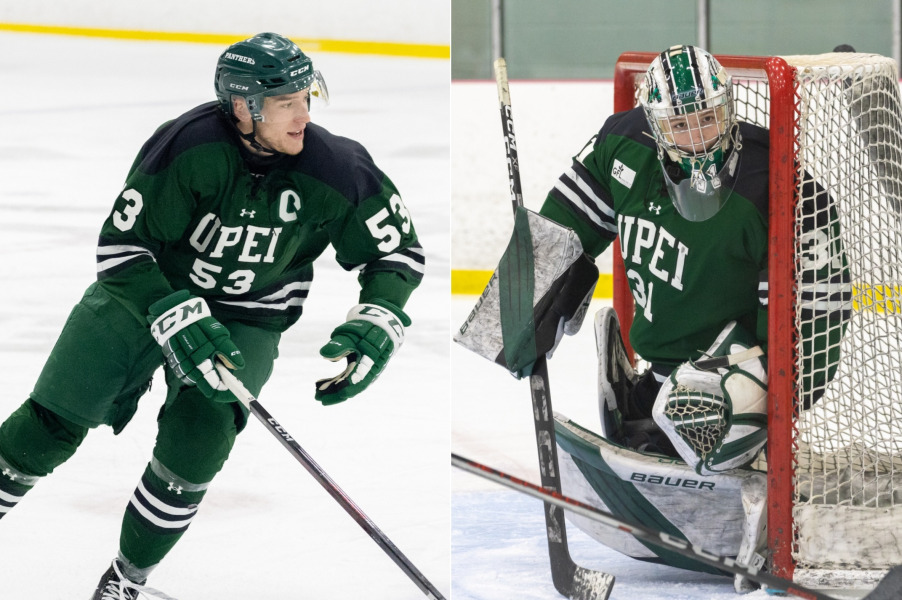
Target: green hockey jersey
201	213
689	279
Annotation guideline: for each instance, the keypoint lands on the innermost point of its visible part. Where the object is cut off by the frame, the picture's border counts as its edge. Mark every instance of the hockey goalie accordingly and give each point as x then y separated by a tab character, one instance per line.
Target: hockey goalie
682	185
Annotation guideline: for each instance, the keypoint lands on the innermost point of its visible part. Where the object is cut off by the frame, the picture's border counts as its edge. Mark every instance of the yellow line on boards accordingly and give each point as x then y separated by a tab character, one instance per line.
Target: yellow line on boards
310	45
879	298
473	283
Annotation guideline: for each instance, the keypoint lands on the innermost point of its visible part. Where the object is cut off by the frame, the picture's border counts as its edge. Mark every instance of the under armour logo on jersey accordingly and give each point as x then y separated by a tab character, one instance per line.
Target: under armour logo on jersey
248	213
175	488
10	474
655	207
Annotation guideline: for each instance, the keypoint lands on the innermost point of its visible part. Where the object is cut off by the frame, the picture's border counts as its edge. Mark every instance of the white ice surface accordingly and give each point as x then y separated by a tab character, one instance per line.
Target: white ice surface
73	114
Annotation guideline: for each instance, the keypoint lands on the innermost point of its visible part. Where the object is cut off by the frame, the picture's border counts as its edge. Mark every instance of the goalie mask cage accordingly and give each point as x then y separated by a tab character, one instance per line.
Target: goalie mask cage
835	470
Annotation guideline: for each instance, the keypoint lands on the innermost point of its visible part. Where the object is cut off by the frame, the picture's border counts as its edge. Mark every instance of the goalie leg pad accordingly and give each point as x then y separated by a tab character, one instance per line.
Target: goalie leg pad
717	419
664	494
625	397
753	549
616	376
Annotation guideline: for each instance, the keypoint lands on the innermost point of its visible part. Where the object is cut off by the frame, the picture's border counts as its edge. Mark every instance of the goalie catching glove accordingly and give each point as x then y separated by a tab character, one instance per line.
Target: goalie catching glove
192	339
714	410
371	336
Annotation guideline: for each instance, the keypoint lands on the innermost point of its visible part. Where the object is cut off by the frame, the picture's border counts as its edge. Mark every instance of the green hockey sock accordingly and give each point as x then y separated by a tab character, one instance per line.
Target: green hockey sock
157	515
13	485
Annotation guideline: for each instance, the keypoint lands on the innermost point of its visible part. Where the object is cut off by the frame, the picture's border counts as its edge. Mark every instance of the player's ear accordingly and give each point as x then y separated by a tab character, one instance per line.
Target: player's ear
239	109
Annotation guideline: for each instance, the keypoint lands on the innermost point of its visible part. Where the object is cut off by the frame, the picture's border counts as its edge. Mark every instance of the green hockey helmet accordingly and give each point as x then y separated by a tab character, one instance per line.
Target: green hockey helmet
267	64
688	101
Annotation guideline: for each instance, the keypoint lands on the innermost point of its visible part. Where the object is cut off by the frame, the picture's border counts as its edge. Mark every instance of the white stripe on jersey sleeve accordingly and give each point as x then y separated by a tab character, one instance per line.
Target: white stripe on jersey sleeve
276	300
578	202
405	260
586	189
123	254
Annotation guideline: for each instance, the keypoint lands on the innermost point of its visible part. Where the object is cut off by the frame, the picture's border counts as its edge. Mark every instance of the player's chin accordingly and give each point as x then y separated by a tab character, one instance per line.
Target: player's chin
293	143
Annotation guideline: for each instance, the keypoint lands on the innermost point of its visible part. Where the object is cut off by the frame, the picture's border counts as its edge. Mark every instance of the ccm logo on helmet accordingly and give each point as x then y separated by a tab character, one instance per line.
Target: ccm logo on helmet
299	71
239	58
240	88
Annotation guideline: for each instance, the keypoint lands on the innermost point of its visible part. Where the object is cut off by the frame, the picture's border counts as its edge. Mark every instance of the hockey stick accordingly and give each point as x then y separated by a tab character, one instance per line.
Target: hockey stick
569	579
723	362
246	398
889	588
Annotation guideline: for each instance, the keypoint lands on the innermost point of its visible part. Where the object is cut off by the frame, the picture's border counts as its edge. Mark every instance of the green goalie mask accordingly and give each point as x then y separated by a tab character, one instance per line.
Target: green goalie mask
688	101
267	64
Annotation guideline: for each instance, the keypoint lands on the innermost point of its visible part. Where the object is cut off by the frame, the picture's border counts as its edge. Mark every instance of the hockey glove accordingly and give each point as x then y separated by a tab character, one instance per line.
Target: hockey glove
191	340
371	335
716	416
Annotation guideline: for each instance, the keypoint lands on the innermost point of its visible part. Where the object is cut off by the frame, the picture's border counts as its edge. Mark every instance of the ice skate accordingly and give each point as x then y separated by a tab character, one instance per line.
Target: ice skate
114	585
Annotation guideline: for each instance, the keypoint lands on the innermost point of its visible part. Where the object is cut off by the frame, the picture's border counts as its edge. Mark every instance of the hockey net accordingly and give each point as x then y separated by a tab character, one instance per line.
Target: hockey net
834	469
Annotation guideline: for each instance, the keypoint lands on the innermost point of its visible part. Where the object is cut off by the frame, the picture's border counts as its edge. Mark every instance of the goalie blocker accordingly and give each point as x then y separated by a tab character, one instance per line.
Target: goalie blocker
540	291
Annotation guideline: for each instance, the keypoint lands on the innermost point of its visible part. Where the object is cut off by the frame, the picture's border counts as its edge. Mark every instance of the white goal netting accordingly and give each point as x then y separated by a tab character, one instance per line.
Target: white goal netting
848	491
847	501
847	449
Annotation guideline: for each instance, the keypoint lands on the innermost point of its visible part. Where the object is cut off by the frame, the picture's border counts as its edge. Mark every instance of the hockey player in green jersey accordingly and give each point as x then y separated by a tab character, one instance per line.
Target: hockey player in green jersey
207	255
684	184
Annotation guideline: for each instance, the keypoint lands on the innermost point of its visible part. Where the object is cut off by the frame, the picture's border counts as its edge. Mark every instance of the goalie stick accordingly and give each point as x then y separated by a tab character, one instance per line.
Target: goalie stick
245	397
722	362
888	589
571	580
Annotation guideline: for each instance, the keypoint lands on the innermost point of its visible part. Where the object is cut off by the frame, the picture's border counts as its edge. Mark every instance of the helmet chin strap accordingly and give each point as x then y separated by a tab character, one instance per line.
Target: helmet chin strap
251	138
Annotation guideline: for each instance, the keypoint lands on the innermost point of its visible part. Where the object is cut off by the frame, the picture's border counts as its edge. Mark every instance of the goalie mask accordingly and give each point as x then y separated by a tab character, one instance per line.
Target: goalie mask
688	101
267	64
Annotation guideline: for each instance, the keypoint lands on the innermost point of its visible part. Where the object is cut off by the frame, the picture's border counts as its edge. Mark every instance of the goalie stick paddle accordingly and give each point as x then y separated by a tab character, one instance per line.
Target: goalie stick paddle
571	580
889	588
245	397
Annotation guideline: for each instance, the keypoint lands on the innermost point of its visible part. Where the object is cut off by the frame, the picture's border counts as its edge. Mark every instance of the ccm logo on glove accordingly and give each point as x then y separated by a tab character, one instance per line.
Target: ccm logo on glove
192	311
381	317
